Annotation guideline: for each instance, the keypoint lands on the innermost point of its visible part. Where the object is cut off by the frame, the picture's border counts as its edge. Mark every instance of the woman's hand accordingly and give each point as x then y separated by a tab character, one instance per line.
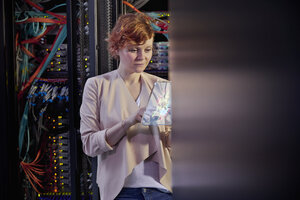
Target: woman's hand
136	117
115	133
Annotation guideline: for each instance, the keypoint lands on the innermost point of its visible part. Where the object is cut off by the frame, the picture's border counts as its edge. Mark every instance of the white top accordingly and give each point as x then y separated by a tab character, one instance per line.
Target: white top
144	174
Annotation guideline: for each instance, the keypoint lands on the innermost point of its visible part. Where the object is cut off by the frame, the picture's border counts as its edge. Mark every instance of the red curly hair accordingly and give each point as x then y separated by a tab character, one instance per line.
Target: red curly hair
129	29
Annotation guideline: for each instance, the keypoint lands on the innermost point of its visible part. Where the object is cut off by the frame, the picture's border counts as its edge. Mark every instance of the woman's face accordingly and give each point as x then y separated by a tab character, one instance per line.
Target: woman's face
135	58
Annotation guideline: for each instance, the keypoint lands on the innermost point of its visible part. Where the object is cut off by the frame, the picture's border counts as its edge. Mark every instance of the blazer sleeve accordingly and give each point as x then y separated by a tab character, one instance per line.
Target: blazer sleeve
93	138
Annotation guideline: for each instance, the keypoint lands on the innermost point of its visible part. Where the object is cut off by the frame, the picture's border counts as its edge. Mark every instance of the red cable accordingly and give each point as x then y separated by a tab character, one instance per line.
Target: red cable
40	19
162	32
29	178
30	168
37	38
29	53
131	6
16	41
61	17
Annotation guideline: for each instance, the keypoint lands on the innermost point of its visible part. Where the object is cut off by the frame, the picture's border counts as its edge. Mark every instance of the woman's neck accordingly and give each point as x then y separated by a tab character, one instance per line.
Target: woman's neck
129	78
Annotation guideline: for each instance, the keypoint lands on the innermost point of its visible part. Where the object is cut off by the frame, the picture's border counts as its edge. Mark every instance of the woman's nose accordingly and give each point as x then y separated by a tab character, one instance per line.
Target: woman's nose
140	55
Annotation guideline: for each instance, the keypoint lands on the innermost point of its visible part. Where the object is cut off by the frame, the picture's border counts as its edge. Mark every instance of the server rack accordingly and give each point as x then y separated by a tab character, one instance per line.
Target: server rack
65	168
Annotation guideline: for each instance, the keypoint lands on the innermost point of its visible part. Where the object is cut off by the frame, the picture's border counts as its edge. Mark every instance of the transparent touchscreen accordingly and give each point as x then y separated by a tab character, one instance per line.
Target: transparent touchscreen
158	110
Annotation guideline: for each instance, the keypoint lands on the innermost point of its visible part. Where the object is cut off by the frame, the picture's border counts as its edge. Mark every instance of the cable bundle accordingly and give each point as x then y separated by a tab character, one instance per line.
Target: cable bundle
45	96
33	170
33	28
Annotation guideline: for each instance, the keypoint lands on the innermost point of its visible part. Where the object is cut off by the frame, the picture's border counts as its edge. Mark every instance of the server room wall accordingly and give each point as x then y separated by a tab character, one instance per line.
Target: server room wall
234	67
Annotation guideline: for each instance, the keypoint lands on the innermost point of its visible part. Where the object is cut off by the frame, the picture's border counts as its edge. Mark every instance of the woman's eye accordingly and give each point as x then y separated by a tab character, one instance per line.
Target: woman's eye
148	50
132	50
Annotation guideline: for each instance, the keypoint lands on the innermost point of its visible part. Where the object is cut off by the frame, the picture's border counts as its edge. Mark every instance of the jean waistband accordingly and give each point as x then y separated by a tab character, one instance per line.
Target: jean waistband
145	189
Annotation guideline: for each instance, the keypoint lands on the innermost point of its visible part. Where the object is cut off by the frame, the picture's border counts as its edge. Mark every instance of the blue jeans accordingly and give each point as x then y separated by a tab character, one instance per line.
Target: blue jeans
144	194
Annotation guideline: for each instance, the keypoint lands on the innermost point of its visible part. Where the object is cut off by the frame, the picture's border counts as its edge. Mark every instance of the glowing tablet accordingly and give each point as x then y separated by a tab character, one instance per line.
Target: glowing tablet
158	110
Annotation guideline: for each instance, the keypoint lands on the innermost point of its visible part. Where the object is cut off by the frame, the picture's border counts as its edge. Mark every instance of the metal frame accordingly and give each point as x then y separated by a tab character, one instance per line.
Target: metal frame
8	143
108	11
73	109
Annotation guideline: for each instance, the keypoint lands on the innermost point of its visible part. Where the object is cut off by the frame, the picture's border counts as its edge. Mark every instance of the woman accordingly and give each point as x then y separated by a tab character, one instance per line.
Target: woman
133	160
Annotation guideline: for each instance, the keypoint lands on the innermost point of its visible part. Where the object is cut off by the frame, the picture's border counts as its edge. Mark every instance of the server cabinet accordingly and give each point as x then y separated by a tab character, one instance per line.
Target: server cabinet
52	64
